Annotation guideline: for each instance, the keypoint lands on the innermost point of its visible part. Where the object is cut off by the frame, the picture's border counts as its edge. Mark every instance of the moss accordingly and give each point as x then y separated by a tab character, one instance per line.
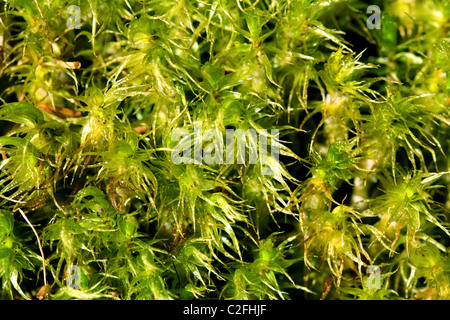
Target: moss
224	149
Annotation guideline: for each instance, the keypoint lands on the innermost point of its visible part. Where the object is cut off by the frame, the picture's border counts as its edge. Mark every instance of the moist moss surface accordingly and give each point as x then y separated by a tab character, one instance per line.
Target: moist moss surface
116	180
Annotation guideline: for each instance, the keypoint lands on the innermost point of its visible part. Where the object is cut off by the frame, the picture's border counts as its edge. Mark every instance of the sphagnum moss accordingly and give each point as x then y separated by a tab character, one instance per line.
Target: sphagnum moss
350	200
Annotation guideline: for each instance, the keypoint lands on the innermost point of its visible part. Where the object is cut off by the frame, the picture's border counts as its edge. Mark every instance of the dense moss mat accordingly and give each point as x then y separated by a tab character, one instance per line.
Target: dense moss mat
115	181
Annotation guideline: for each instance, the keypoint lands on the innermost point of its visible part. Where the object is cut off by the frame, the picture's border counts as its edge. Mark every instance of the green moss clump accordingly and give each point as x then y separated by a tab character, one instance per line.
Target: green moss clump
117	180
